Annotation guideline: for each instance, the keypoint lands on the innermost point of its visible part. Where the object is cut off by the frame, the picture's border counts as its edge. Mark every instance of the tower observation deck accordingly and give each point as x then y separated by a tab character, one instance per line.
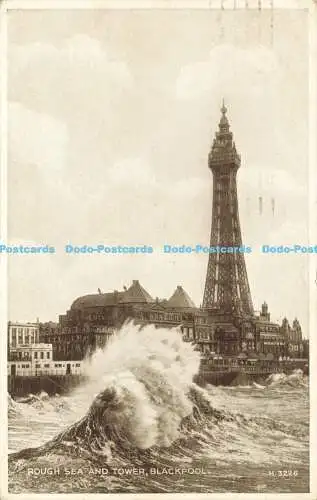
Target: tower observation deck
226	288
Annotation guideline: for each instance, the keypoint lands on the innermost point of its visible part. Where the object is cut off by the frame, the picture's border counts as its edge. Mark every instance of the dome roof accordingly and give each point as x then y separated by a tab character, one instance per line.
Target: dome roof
96	300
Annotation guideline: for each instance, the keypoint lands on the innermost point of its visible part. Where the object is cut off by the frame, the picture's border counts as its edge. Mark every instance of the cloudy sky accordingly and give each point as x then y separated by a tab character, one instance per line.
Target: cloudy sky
111	118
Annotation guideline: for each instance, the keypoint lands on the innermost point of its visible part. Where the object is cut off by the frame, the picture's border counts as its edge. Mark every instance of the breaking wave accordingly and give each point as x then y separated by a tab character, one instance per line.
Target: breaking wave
294	379
140	406
142	395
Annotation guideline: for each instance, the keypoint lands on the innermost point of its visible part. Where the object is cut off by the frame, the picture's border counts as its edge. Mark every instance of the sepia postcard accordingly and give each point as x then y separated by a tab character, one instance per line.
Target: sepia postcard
158	249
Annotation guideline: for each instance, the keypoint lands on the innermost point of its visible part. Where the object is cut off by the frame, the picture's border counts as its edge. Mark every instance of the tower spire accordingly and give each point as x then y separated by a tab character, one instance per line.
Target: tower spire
223	148
223	107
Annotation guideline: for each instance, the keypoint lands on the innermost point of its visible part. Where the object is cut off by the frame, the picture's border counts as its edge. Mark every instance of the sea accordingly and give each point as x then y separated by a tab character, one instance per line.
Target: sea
140	425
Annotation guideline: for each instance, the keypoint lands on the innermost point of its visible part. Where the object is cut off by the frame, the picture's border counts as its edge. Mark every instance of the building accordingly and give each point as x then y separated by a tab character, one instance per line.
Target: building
293	338
225	325
22	334
29	358
93	319
37	359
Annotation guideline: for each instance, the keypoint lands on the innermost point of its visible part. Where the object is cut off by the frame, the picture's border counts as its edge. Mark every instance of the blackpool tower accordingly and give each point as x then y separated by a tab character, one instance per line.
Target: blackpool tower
227	288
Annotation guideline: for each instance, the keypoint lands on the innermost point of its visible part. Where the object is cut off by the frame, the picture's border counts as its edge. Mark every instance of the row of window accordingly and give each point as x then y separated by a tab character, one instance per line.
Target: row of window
56	365
159	316
60	365
24	330
27	339
48	355
269	329
200	320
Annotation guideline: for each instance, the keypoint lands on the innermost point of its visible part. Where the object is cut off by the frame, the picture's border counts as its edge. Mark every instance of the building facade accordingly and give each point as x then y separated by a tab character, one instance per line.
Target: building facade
29	358
92	320
37	359
22	334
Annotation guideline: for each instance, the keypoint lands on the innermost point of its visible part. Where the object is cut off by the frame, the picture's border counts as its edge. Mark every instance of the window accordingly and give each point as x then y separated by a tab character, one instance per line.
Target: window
35	355
48	355
42	355
37	365
77	365
14	337
46	366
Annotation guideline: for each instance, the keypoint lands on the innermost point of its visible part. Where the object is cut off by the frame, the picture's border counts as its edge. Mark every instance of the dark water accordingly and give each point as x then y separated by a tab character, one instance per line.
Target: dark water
140	425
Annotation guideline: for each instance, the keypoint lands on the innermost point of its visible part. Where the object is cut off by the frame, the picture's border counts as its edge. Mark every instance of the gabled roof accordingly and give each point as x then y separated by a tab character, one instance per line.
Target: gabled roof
136	293
180	299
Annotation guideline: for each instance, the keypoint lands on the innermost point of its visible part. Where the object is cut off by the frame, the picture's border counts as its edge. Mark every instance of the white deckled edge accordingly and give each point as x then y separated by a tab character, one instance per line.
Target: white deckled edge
156	4
312	200
3	257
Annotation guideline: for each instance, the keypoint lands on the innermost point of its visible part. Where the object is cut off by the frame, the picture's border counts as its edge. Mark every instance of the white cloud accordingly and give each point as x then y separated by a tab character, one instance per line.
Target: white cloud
36	138
71	81
133	172
186	188
227	68
79	50
266	180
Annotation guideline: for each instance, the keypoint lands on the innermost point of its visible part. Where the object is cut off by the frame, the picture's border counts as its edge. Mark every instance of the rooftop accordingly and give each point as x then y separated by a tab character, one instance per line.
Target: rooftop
180	299
134	294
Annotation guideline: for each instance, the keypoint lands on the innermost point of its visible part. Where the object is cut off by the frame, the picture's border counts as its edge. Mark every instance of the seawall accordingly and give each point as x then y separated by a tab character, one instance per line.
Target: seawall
19	386
52	384
231	378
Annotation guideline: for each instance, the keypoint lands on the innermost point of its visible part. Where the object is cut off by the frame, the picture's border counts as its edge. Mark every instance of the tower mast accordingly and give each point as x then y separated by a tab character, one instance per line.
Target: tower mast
227	288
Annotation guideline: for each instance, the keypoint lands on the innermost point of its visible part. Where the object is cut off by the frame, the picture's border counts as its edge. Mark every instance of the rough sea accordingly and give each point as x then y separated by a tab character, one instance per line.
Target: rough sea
140	425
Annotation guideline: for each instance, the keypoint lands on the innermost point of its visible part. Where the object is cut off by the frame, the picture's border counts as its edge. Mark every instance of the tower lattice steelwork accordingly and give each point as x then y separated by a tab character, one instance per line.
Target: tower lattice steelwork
227	288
